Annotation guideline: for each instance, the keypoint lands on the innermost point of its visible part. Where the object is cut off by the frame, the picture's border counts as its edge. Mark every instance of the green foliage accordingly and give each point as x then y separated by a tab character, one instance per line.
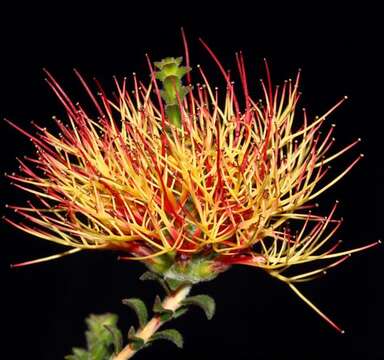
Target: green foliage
136	342
165	314
161	263
174	284
180	312
104	339
78	354
149	275
171	335
140	309
205	302
116	337
197	269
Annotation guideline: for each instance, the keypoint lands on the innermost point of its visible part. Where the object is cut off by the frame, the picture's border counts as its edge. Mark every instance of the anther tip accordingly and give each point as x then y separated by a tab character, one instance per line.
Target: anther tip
342	332
379	241
345	97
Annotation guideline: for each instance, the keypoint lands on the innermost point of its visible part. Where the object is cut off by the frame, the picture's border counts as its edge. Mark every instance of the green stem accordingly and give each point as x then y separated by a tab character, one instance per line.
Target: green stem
171	302
170	73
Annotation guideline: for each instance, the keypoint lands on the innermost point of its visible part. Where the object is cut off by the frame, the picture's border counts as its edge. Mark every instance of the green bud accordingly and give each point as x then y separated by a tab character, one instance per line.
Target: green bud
173	92
192	271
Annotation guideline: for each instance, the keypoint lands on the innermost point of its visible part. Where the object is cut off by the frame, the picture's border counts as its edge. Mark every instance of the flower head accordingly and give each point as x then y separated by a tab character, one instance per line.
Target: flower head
178	173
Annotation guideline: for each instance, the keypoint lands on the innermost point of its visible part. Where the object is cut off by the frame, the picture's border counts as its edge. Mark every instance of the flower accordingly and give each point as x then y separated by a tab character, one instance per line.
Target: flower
178	174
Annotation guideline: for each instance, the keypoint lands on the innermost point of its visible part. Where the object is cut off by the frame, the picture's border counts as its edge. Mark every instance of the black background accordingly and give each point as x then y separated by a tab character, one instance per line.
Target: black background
337	46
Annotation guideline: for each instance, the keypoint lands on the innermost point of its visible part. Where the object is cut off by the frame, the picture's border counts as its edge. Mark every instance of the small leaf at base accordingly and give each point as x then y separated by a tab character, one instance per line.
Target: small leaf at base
205	302
171	335
165	314
139	308
179	312
149	275
117	338
136	342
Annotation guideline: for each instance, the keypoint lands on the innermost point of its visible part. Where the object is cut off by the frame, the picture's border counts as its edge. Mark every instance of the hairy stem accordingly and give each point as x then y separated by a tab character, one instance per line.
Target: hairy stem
171	302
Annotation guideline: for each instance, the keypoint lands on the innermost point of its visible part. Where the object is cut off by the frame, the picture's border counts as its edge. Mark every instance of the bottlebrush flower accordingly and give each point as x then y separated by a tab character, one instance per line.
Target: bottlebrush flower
186	179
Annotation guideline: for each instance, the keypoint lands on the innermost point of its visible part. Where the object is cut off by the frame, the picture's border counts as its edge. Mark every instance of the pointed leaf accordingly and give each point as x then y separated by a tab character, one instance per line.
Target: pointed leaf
136	342
117	338
149	275
101	336
171	335
158	306
78	354
165	314
174	284
205	302
179	312
131	332
97	333
140	309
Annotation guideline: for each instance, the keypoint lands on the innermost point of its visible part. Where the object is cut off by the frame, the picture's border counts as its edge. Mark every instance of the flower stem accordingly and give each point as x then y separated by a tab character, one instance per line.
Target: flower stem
171	302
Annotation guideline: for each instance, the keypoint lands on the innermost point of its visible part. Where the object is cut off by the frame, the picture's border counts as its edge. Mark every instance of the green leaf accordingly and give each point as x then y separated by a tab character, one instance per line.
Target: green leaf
98	334
103	339
78	354
174	284
149	275
136	342
140	309
117	338
157	306
165	314
131	333
171	335
205	302
179	312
